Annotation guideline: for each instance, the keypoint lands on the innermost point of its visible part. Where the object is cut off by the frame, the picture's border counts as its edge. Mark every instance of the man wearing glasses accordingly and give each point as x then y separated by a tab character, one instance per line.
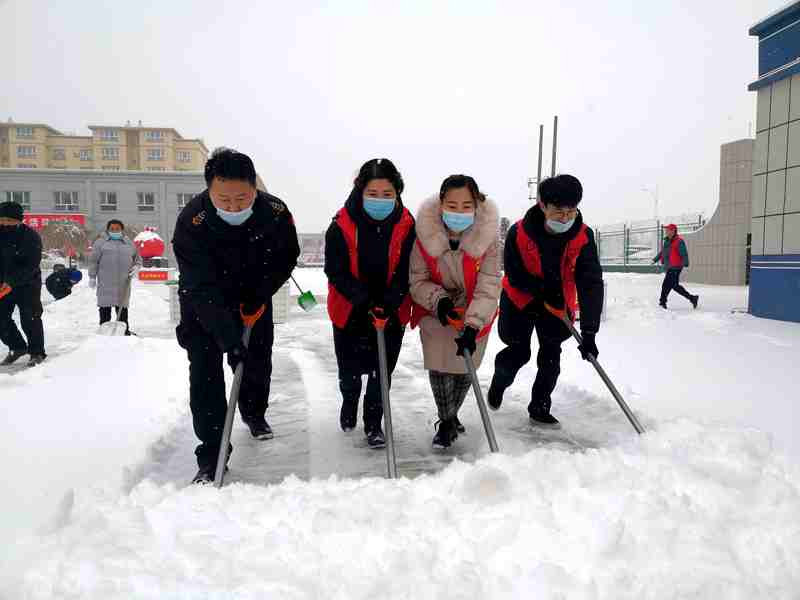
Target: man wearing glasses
551	262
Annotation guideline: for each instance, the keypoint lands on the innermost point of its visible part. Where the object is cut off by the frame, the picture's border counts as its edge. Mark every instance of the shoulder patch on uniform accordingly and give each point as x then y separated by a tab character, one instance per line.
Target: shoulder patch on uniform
199	218
278	206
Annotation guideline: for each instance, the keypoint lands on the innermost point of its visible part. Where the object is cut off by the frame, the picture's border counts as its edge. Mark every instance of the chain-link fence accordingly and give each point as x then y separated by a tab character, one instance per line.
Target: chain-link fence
638	242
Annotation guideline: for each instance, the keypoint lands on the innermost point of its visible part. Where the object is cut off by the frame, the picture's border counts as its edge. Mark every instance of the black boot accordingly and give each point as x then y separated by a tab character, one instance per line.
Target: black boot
663	305
459	427
545	420
694	300
375	438
446	434
36	359
259	428
495	397
13	357
205	474
348	415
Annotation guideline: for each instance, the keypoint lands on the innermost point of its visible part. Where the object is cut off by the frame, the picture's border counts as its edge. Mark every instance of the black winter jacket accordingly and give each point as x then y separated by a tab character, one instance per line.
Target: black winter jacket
222	266
588	273
374	237
20	255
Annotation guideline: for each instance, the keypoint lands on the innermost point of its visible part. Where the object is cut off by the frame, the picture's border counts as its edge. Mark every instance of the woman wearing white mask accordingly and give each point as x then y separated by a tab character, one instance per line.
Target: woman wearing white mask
367	249
454	277
112	264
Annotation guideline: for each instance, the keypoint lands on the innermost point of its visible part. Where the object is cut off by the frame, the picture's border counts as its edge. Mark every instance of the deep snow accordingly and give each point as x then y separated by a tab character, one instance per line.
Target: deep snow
706	504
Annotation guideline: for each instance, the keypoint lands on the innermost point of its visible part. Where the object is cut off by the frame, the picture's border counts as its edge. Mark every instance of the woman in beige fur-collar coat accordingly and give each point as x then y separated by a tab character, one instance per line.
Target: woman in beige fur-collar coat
457	229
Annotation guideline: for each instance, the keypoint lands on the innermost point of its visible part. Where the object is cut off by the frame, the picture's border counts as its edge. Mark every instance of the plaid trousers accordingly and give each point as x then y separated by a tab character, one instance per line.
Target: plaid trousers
449	391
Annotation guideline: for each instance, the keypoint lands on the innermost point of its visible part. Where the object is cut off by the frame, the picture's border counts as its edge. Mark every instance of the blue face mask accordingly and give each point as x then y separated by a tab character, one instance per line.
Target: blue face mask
458	222
558	226
235	218
115	235
378	208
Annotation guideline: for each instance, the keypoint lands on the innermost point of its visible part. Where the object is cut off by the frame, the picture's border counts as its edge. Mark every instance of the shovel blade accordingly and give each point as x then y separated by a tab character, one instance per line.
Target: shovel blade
112	328
307	301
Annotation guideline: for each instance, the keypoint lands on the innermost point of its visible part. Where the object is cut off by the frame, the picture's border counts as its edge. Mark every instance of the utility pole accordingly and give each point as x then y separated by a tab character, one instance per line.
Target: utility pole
539	169
555	143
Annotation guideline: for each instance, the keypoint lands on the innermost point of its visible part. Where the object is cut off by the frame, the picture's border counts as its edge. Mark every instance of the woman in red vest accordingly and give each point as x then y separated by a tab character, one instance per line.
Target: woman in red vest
550	257
454	264
367	249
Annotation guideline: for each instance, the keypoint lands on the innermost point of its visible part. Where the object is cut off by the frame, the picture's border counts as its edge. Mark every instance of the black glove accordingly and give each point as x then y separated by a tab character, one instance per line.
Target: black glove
555	298
588	346
445	310
236	355
251	307
466	341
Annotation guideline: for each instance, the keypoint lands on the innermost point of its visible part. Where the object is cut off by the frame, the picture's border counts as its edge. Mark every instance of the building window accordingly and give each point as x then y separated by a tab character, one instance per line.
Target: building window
59	154
108	201
184	199
25	132
23	198
146	201
86	155
26	166
155	154
26	151
154	136
156	169
110	168
66	201
184	156
108	134
110	153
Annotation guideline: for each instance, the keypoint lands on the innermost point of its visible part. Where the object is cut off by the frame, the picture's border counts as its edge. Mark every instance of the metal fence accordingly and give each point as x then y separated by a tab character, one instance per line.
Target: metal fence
638	242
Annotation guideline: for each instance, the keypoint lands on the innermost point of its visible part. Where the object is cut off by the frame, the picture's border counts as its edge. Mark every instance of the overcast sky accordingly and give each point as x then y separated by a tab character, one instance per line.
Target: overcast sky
645	92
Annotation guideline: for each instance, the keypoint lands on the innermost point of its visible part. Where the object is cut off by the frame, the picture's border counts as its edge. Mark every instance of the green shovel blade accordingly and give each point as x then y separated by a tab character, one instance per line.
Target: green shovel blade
307	301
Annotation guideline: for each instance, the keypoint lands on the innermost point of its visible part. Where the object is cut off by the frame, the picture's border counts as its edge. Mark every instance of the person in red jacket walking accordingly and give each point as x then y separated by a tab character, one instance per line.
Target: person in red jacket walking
367	251
675	258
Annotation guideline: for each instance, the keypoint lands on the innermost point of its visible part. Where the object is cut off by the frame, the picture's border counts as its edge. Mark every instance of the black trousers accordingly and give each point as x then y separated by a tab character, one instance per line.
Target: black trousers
28	299
516	330
208	398
105	315
672	281
357	354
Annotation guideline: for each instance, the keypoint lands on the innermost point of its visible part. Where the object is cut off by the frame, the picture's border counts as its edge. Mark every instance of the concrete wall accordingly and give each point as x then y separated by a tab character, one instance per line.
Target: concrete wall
43	183
718	251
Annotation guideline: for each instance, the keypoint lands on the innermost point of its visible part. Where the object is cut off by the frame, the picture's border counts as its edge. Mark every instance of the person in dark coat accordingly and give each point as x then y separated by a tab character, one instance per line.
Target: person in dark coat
675	259
367	250
550	258
20	286
236	246
60	282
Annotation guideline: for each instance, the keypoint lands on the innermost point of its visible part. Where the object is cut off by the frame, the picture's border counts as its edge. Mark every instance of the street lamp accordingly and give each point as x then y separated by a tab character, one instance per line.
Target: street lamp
654	191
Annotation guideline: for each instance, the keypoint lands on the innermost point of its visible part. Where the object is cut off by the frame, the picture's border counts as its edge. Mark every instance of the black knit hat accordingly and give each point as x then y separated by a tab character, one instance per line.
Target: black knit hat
11	210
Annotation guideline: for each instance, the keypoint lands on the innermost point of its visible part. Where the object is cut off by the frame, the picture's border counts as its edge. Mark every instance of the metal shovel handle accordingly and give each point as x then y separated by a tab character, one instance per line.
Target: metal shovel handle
383	369
476	387
562	314
238	375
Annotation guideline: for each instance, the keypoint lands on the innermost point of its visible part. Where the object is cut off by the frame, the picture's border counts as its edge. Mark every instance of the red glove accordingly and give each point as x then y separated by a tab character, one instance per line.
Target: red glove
5	290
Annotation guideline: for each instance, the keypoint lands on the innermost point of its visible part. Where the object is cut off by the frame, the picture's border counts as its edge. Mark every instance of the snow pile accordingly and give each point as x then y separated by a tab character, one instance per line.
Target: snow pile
688	511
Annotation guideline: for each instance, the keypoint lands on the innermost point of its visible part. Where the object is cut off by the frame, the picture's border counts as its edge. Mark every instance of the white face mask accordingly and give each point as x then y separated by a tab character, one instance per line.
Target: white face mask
559	227
235	218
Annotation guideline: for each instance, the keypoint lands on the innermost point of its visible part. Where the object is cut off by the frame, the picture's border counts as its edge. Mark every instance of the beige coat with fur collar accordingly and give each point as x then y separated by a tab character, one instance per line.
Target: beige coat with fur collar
480	240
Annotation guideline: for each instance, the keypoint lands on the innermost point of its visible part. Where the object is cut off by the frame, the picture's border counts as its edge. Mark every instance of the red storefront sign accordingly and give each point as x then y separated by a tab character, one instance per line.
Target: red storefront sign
153	275
40	221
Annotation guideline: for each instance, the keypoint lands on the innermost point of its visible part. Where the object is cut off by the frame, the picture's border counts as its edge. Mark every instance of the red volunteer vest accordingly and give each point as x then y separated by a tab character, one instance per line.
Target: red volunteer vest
339	307
533	264
675	258
471	267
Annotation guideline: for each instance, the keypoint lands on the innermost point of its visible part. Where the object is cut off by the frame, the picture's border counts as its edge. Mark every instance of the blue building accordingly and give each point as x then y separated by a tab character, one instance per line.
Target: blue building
775	224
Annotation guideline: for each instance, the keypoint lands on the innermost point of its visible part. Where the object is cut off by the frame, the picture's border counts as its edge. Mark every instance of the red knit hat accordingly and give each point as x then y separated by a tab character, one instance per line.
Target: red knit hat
671	226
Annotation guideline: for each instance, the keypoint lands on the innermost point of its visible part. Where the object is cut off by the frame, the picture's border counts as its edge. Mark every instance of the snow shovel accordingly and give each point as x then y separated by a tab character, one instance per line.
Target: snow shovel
565	318
238	375
380	326
118	327
458	325
306	300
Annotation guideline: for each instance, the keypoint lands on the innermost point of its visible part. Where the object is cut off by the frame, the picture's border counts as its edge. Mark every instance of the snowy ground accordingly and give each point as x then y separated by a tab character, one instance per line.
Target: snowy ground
98	443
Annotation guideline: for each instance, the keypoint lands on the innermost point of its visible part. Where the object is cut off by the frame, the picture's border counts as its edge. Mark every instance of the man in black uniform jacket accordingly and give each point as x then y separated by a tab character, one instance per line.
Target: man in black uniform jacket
236	247
20	286
550	257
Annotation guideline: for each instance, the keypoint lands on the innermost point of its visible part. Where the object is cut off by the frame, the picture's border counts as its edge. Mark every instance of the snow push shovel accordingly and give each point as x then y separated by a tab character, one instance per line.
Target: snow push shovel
118	327
380	320
567	320
222	458
458	325
306	300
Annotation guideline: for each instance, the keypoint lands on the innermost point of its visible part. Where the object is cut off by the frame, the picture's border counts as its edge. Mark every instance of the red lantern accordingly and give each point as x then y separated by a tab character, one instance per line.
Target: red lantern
149	243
